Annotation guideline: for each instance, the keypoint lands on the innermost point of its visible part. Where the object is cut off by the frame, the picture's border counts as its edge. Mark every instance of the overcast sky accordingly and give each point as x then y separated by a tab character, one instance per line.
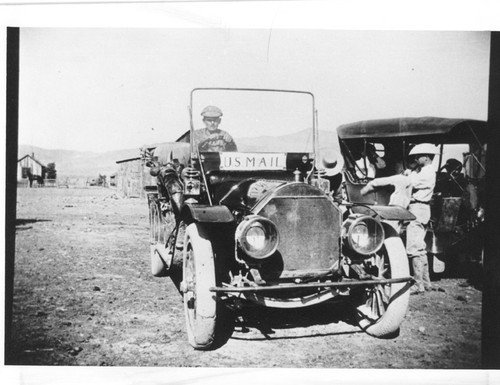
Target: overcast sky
108	89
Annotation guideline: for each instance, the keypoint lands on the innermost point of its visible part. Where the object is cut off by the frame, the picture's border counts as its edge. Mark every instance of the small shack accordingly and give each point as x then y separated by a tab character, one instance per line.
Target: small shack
131	178
30	171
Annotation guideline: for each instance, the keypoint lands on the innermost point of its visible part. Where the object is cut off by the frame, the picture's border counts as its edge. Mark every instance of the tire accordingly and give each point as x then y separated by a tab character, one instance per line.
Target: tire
161	226
383	307
198	276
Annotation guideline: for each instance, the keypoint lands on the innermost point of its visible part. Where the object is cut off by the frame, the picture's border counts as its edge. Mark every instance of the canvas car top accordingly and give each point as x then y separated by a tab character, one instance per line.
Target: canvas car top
461	130
167	152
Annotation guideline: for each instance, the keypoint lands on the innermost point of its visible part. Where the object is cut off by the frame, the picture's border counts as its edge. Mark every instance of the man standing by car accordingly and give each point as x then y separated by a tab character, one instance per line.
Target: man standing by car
413	190
211	138
423	180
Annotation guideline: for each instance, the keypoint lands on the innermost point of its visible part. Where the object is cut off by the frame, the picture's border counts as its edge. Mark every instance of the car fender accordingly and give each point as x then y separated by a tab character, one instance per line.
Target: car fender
206	214
388	213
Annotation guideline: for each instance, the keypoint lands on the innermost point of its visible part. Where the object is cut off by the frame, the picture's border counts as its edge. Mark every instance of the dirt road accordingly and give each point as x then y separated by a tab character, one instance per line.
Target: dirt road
84	295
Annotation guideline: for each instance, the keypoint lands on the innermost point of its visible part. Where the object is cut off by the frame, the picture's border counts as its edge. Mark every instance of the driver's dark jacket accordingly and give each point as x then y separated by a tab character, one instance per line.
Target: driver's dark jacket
215	141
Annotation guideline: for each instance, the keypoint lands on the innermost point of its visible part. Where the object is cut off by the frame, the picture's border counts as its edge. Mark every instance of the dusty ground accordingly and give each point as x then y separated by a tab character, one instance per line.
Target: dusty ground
84	295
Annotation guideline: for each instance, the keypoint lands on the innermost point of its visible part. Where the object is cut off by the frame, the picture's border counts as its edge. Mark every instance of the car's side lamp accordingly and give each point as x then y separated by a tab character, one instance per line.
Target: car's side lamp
191	178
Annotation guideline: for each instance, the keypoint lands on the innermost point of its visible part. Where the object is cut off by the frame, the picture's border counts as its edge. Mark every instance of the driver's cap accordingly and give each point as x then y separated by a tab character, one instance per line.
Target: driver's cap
211	112
424	148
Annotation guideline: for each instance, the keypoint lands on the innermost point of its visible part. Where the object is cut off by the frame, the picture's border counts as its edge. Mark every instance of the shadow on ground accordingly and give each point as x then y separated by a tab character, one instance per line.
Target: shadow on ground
268	320
24	222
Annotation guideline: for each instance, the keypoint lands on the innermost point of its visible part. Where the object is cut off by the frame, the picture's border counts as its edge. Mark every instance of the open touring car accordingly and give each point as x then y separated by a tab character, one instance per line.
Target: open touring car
261	225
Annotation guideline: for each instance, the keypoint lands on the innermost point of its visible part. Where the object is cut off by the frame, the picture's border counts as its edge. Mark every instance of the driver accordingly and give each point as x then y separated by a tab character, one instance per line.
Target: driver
211	138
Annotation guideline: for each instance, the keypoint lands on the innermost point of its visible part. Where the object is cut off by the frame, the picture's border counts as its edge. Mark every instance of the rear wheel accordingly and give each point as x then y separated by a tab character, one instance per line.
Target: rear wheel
162	223
382	308
198	277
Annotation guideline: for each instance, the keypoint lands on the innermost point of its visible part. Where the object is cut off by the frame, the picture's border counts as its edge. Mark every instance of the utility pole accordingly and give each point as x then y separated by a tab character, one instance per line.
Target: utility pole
490	348
12	117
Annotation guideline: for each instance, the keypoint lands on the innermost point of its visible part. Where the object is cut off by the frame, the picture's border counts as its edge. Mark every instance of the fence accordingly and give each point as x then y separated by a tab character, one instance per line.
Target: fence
25	183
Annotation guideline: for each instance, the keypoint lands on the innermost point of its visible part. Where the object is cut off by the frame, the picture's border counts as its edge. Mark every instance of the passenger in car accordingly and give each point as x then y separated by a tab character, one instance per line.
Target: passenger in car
212	138
452	183
368	162
330	163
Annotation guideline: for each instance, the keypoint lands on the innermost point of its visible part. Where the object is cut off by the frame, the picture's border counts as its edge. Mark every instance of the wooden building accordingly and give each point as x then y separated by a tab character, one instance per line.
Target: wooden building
132	177
29	169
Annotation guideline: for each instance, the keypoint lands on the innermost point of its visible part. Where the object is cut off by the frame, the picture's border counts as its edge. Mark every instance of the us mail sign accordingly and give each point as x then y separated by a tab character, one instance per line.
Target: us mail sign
252	161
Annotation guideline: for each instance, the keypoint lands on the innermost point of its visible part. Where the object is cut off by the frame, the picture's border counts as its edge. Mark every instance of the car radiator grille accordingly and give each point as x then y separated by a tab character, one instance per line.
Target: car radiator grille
309	230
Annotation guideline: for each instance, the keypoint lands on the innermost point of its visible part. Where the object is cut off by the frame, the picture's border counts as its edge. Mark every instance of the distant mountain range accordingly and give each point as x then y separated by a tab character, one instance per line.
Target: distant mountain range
85	164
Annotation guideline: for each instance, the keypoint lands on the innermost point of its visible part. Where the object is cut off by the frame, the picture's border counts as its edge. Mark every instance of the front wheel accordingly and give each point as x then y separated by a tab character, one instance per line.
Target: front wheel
198	277
381	309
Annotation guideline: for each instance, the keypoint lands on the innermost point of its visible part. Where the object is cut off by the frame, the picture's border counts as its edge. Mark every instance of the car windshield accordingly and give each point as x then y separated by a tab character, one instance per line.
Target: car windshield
254	120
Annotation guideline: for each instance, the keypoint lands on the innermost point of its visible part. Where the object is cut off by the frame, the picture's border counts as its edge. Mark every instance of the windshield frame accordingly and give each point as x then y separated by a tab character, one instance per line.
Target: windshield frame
314	113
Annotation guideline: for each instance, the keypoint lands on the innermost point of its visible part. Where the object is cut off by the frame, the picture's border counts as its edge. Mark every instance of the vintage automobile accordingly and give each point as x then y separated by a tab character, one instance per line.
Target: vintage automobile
454	236
260	225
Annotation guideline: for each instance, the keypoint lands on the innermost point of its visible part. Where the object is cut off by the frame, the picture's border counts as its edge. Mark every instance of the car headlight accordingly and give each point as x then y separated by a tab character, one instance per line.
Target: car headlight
364	234
257	236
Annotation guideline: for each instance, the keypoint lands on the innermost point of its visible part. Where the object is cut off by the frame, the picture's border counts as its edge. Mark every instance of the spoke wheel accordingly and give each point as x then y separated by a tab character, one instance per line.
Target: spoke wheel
198	277
162	223
381	308
377	297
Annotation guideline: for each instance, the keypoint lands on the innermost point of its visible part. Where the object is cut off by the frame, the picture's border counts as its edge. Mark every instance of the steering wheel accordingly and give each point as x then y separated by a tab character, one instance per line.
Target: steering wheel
204	145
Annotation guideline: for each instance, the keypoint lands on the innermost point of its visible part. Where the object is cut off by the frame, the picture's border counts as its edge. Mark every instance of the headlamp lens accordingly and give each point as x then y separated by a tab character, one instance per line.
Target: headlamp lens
360	236
256	237
364	234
